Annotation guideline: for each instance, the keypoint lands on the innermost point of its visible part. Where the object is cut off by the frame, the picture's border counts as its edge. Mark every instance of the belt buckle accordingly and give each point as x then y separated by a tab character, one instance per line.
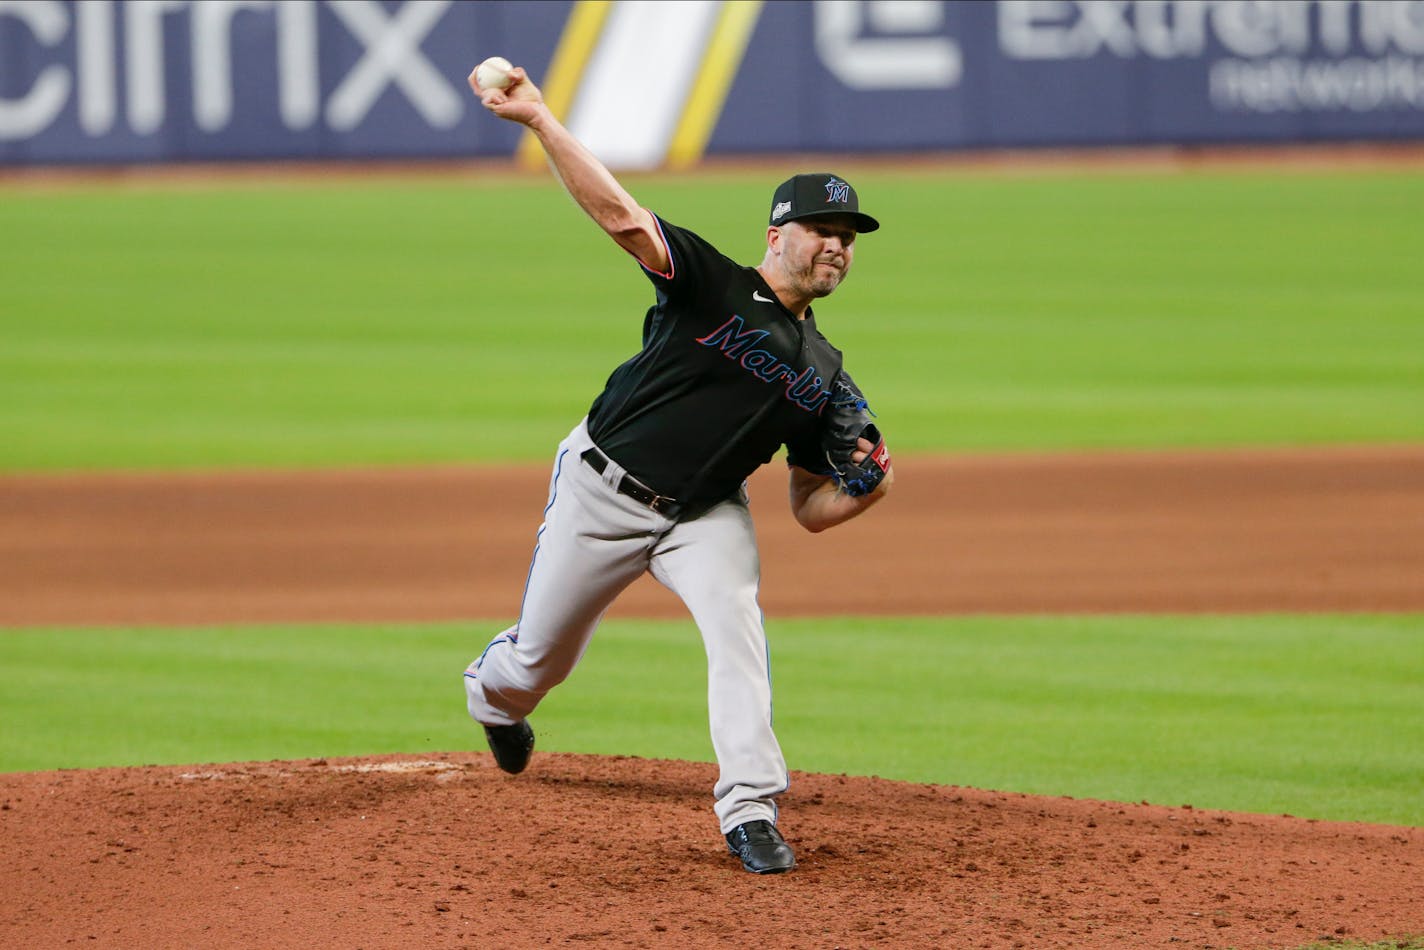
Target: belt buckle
630	486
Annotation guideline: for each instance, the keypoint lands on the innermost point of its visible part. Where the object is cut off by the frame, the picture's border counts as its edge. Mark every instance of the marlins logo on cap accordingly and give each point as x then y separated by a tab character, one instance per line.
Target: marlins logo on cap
805	196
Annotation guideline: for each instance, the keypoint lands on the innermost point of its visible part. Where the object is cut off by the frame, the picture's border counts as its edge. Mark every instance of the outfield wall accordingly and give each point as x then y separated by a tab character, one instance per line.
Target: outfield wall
649	84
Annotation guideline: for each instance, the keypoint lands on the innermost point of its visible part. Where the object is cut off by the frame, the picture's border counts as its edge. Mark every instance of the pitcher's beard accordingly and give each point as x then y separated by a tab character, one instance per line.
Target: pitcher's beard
820	281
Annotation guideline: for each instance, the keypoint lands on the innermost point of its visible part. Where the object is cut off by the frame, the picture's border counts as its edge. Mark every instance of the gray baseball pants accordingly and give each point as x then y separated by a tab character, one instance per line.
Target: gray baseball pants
595	542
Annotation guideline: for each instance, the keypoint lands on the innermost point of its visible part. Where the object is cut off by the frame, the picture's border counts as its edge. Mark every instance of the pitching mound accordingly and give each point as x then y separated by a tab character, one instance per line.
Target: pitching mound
620	852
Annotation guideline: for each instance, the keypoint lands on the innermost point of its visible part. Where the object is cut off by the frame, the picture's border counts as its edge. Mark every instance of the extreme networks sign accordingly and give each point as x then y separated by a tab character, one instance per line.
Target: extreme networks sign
157	80
1043	72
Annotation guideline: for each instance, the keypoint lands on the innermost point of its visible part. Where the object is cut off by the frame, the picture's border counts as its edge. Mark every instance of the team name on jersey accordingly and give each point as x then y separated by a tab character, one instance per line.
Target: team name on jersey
804	388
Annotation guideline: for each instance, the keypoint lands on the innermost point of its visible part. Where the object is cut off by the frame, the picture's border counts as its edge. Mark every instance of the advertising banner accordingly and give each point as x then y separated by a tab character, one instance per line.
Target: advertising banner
650	83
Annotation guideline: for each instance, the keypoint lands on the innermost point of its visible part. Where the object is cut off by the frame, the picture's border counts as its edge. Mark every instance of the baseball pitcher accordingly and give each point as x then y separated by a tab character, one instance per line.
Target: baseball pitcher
732	368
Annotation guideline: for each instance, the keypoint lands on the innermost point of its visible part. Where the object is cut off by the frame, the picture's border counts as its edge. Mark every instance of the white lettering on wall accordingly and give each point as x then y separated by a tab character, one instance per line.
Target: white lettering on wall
298	91
1281	55
906	48
391	58
1175	29
212	71
143	25
1287	84
94	40
1167	29
299	86
37	107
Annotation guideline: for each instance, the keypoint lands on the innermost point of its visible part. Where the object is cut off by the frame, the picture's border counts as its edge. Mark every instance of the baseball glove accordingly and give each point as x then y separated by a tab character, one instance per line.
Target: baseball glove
848	420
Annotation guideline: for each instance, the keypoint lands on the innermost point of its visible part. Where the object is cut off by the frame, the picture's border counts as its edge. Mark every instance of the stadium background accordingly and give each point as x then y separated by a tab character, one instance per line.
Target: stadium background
650	84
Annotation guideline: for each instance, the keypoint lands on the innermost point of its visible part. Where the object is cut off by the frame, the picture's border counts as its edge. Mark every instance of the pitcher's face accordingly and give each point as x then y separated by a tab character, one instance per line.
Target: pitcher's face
816	253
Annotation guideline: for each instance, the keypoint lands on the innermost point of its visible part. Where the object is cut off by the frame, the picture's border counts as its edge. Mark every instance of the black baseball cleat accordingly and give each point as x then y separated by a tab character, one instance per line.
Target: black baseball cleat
761	848
511	745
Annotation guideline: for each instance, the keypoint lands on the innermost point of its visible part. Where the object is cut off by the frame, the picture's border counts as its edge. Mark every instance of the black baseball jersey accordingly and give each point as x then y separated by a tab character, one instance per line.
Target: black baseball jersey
726	376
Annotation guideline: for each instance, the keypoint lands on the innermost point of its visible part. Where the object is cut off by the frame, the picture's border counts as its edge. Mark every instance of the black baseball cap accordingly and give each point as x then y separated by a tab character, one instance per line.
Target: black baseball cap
806	196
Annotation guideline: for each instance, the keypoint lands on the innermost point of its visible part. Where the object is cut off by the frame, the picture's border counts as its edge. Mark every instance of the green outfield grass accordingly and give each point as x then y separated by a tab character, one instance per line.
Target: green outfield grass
475	320
1314	716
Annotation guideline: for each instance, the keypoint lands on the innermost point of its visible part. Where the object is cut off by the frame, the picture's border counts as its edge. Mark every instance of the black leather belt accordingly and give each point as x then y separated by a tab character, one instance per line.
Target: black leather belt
627	485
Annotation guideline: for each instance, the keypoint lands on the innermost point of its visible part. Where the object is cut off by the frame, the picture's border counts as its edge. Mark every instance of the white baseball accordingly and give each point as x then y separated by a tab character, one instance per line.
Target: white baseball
493	73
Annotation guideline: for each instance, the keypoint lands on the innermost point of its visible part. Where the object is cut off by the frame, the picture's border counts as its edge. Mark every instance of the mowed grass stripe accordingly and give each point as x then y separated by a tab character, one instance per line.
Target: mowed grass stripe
1316	716
371	322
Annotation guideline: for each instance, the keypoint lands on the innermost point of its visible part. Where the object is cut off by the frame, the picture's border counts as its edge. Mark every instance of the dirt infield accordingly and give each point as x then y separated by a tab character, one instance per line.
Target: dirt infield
586	851
1336	529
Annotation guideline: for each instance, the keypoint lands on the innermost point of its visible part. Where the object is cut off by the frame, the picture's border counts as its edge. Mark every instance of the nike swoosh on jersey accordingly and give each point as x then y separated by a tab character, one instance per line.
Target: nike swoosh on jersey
756	295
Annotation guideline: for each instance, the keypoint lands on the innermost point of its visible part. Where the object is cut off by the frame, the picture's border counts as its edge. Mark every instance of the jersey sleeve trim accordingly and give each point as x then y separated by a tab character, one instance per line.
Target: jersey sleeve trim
672	265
